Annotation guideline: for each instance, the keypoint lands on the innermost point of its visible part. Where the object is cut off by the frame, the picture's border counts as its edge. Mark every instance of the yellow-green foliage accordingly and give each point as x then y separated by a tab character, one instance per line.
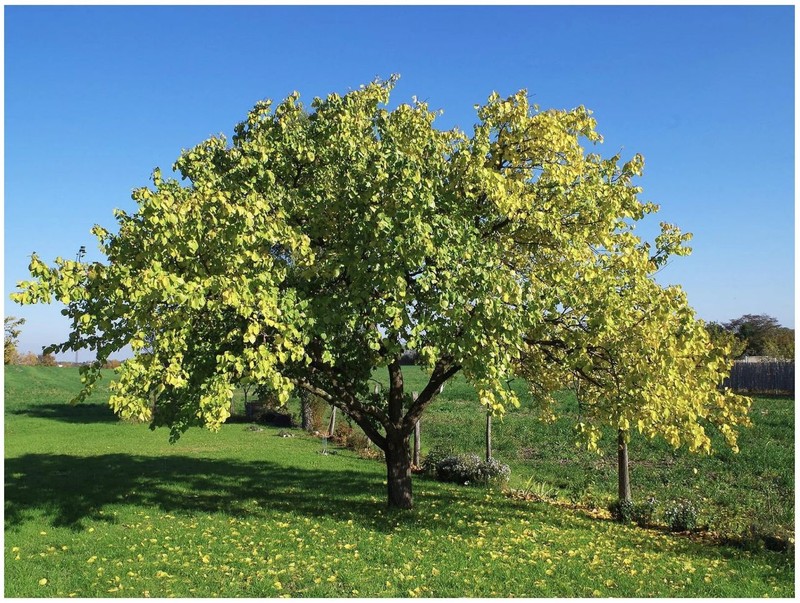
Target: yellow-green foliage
317	244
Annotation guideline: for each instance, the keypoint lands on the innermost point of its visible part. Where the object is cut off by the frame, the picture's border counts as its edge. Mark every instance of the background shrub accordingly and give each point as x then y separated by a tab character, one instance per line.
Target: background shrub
354	438
681	516
432	459
342	432
621	511
318	409
643	512
626	511
470	469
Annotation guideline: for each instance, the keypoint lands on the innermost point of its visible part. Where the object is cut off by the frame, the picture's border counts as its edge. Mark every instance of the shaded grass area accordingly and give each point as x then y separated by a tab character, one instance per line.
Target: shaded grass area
97	507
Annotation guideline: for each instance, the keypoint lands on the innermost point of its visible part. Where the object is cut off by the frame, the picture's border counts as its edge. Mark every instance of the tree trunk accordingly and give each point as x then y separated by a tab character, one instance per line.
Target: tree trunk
307	420
488	436
306	411
332	424
415	458
398	471
417	444
624	479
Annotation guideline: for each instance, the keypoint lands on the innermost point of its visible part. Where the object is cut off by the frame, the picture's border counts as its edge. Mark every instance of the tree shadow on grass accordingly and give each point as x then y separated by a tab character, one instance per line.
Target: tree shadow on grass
69	413
71	489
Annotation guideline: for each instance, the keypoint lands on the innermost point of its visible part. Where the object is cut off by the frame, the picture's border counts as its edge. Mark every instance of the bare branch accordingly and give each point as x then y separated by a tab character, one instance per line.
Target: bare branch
441	373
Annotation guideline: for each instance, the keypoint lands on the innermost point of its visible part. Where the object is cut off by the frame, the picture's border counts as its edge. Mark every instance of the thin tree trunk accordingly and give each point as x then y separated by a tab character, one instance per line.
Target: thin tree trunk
415	458
398	471
332	424
417	445
624	479
488	436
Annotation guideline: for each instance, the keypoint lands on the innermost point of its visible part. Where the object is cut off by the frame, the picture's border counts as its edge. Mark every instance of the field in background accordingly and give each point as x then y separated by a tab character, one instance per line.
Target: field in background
98	507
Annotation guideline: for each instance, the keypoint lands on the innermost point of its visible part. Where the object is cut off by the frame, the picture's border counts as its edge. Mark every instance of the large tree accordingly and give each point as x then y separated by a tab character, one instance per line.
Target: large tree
318	245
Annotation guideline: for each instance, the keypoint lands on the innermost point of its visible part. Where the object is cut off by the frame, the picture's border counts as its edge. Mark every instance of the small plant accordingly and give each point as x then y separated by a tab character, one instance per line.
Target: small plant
681	516
626	511
537	490
432	459
643	512
371	453
470	469
358	440
353	438
621	510
342	433
495	472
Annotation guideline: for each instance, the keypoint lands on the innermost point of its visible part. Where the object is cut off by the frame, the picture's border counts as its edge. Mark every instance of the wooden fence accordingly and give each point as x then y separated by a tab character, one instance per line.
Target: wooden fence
762	377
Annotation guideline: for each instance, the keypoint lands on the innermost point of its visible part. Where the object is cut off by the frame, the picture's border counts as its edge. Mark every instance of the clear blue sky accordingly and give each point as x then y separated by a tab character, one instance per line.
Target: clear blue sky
95	97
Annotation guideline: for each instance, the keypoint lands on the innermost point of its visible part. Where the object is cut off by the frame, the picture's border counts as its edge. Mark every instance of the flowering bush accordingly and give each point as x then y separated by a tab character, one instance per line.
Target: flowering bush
681	516
470	469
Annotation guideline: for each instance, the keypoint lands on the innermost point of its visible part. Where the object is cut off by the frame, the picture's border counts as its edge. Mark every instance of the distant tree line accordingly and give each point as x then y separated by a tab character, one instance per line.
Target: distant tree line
12	328
755	335
11	354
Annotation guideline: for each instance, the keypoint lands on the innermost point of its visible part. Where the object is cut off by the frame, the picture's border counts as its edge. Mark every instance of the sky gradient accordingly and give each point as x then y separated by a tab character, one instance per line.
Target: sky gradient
96	97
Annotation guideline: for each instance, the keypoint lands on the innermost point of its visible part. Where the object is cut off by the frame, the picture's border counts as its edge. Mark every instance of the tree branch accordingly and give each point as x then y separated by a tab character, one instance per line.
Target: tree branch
441	373
355	411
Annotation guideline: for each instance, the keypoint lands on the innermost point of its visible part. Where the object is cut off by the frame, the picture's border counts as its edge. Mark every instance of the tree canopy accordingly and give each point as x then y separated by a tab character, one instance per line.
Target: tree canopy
317	245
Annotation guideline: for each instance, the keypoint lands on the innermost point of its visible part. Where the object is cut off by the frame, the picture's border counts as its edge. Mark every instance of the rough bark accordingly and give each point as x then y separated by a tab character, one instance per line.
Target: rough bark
623	475
395	393
306	413
398	471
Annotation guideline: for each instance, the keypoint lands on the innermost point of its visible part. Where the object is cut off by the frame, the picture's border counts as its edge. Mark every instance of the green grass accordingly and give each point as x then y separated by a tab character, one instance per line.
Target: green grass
735	492
97	507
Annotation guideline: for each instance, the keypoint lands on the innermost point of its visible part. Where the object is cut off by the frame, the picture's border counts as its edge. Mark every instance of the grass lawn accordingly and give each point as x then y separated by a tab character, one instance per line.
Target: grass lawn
95	507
